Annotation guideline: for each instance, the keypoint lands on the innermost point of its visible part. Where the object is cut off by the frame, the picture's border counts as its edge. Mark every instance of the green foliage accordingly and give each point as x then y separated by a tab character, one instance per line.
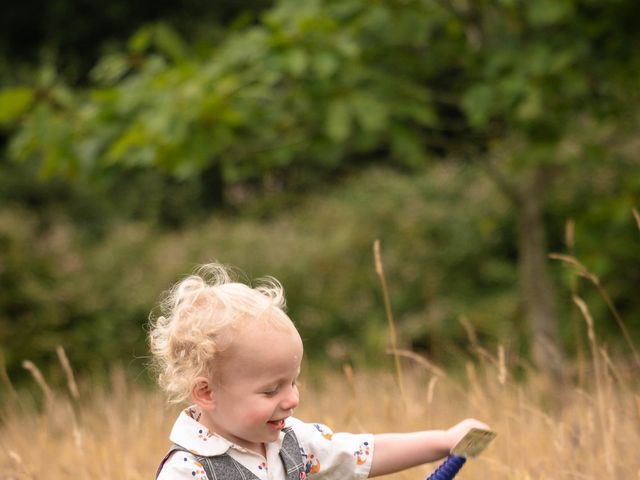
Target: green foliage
94	295
313	92
447	247
13	103
323	83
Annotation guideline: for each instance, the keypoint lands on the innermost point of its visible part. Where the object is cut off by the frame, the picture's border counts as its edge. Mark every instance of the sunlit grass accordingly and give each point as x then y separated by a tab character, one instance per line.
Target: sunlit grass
586	426
544	431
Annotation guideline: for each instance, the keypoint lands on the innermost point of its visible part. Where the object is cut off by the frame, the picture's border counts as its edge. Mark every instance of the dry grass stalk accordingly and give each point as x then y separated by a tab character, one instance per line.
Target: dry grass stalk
66	367
349	414
420	360
391	321
570	234
24	471
482	353
600	379
611	367
6	381
39	378
502	366
636	215
476	386
431	389
77	433
348	373
534	439
471	332
590	333
583	272
570	240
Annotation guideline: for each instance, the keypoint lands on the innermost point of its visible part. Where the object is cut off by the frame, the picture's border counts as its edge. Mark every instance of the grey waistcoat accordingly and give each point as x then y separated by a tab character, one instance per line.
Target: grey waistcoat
223	467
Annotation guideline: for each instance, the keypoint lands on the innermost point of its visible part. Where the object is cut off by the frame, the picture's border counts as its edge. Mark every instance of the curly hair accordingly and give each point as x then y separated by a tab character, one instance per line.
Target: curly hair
196	323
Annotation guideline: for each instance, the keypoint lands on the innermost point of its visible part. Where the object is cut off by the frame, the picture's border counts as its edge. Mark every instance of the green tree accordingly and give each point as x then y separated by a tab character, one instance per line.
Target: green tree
529	90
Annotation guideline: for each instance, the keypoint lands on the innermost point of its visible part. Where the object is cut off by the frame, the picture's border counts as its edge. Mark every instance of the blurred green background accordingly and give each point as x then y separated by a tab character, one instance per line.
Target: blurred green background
472	138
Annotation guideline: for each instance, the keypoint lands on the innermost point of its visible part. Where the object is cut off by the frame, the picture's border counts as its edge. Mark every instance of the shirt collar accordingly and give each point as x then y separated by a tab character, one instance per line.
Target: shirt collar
189	433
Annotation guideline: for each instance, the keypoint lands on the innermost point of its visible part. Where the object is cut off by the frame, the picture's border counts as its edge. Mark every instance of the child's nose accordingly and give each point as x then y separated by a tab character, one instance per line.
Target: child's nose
291	400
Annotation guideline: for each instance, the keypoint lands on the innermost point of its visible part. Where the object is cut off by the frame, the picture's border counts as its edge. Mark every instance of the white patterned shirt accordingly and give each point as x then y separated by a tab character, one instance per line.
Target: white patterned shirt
327	455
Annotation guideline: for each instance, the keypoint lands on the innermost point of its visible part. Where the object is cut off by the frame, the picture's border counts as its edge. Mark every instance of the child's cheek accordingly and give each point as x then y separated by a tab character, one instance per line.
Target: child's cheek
259	412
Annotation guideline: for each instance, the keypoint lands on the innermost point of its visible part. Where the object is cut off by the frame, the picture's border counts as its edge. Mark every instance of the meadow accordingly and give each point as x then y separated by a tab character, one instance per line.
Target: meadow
585	427
283	137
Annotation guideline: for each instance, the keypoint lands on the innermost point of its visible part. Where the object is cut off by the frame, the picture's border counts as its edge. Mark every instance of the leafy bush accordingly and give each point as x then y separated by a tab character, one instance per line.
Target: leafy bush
447	248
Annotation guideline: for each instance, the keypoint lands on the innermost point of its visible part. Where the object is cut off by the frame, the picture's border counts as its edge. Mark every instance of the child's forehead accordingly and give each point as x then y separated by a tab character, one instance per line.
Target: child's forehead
265	327
269	319
266	339
262	354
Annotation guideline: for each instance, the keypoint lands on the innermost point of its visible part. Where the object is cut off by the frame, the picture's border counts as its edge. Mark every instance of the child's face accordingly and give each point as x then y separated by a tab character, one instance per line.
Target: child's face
257	389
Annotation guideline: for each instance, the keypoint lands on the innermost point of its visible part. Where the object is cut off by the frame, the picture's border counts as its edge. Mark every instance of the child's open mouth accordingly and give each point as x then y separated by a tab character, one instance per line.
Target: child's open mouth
278	424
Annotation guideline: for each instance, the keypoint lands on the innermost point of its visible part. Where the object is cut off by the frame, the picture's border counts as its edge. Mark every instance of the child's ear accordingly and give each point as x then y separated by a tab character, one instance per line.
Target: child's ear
202	394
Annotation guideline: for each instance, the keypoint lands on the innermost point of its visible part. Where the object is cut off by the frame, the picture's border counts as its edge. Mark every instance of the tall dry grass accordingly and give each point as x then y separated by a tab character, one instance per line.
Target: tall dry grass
586	427
563	432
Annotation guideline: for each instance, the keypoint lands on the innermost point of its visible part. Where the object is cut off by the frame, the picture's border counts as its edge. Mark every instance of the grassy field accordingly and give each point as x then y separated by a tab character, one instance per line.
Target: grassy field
587	428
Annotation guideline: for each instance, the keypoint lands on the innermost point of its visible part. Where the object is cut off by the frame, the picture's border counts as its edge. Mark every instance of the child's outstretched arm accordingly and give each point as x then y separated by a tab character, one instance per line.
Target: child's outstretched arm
393	452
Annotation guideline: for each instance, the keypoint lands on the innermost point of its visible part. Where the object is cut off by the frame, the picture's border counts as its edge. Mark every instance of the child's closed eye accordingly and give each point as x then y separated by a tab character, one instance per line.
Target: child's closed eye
270	392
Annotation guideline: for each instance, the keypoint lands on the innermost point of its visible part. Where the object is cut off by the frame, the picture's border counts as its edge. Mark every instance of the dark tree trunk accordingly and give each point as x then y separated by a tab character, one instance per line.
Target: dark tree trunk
535	281
527	195
213	187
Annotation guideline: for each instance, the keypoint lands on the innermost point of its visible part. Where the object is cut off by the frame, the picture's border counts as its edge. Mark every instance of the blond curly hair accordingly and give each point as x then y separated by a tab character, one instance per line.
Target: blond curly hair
196	323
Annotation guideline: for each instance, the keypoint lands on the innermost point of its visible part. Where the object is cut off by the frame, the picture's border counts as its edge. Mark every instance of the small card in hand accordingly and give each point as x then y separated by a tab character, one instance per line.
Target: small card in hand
473	443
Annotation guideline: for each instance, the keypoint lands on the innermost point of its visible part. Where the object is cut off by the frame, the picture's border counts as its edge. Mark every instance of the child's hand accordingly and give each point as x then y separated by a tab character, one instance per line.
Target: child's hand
396	451
459	430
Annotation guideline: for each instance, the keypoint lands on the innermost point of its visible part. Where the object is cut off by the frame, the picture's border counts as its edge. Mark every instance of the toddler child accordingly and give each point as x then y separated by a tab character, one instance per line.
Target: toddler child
235	354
